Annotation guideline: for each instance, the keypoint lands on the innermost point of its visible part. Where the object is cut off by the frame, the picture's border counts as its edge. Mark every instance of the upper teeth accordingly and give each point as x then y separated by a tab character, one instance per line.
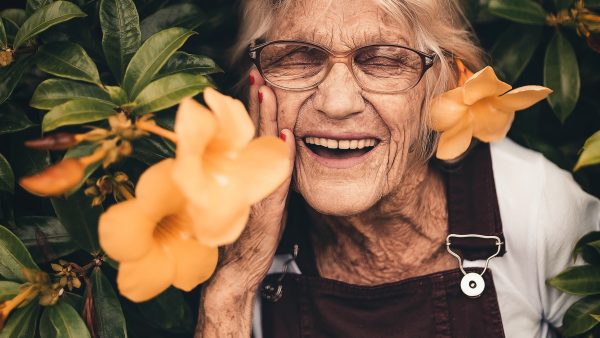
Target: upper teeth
341	144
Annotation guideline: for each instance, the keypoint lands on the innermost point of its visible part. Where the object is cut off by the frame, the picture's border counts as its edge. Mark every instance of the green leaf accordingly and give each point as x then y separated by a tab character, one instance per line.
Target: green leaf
168	91
34	5
11	30
26	161
16	15
80	150
68	60
121	33
592	3
8	290
11	75
23	322
77	112
117	95
561	74
521	11
3	38
578	318
150	150
80	219
54	92
185	15
150	58
13	256
62	321
513	50
46	17
13	119
75	300
189	63
579	280
7	178
109	315
590	154
45	237
168	311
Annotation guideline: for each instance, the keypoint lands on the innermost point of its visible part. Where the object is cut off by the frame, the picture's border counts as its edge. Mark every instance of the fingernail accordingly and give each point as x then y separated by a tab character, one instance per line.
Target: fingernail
260	97
251	79
282	135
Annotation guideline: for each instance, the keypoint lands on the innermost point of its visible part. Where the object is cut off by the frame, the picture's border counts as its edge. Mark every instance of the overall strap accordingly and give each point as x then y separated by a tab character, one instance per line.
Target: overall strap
473	205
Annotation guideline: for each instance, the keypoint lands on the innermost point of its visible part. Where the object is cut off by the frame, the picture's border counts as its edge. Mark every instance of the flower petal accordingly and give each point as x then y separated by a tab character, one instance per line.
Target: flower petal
523	97
157	192
483	84
490	121
263	166
221	225
194	262
454	142
447	109
125	231
235	125
147	277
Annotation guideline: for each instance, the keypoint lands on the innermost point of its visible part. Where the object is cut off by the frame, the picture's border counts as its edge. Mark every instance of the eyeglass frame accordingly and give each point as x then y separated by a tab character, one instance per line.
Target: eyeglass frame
346	58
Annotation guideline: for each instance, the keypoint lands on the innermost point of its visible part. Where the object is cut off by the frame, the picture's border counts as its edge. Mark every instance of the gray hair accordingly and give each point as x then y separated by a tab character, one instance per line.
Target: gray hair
449	37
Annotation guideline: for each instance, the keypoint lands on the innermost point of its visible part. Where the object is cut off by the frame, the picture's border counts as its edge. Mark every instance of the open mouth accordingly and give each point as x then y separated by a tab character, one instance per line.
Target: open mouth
340	149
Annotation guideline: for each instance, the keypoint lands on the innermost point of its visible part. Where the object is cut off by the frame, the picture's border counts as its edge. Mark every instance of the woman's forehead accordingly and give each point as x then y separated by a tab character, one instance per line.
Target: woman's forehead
344	25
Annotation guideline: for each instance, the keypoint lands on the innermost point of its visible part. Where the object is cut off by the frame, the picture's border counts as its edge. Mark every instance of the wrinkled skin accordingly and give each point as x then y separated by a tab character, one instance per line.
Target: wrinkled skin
379	221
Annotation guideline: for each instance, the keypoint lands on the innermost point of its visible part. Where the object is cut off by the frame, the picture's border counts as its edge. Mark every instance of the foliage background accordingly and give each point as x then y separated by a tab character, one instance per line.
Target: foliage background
522	46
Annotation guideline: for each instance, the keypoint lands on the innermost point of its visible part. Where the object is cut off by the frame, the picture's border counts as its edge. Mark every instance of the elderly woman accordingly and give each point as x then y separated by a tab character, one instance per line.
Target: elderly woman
363	239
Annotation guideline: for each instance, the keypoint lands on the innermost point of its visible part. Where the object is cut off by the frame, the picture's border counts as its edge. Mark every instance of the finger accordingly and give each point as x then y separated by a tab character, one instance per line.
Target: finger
255	80
280	194
267	120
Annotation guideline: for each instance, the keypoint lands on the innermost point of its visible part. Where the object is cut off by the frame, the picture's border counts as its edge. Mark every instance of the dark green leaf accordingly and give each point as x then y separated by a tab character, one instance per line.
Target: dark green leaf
46	17
592	3
13	256
561	74
117	95
185	15
68	60
150	150
13	119
168	311
7	178
168	91
77	112
521	11
579	280
150	58
80	219
583	241
109	315
80	150
590	154
62	321
75	300
45	237
189	63
8	290
23	322
3	38
11	75
15	15
54	92
26	161
513	50
563	4
578	317
11	30
34	5
121	33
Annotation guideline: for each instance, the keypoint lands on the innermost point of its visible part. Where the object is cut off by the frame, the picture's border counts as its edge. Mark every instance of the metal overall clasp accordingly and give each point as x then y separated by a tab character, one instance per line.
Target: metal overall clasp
472	284
274	292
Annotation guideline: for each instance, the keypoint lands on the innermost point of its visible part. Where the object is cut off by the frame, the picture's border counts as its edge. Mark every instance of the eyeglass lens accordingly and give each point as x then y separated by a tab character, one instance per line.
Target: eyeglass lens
377	68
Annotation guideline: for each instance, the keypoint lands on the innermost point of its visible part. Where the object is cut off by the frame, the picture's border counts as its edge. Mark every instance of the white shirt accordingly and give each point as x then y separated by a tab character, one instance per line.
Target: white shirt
544	212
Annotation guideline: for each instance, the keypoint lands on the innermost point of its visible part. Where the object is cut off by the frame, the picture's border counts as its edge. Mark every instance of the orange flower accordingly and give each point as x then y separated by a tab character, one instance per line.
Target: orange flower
221	169
483	108
152	237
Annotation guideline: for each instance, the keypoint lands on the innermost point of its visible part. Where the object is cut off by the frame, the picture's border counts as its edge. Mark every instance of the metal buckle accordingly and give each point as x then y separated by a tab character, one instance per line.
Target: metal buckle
274	292
472	284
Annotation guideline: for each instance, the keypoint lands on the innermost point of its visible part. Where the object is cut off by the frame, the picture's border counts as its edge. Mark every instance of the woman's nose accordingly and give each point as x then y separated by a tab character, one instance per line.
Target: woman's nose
339	96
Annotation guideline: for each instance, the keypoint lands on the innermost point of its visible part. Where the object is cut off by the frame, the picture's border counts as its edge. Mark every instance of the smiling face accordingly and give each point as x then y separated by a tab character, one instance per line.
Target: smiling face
339	114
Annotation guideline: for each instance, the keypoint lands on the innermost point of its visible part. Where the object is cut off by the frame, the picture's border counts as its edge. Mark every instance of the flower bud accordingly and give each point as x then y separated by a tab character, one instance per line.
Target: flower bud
55	180
6	57
58	141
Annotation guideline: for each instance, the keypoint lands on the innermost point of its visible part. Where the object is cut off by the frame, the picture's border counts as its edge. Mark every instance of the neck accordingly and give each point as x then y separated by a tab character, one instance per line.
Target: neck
400	236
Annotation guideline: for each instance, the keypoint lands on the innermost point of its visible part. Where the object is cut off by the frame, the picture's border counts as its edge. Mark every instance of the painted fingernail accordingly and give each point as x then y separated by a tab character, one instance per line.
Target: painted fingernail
260	97
251	79
282	135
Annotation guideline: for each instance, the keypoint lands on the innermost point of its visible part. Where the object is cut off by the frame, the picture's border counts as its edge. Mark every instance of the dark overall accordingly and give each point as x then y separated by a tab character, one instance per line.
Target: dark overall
425	306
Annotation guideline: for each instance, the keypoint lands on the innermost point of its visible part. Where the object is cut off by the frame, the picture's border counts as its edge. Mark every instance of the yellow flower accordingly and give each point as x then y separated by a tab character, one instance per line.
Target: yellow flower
483	107
221	169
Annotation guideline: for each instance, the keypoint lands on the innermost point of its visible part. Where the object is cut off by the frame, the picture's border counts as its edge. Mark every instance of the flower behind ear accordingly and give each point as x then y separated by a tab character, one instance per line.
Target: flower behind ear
482	107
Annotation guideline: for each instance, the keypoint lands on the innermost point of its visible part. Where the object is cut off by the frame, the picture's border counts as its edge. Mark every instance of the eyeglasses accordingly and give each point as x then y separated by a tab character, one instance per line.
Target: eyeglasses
296	66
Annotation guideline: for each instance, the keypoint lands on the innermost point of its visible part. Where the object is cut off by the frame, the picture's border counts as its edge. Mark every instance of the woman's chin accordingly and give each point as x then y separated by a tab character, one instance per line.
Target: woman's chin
340	200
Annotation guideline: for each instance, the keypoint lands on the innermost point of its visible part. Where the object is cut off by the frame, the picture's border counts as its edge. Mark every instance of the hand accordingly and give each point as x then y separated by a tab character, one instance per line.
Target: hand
249	258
